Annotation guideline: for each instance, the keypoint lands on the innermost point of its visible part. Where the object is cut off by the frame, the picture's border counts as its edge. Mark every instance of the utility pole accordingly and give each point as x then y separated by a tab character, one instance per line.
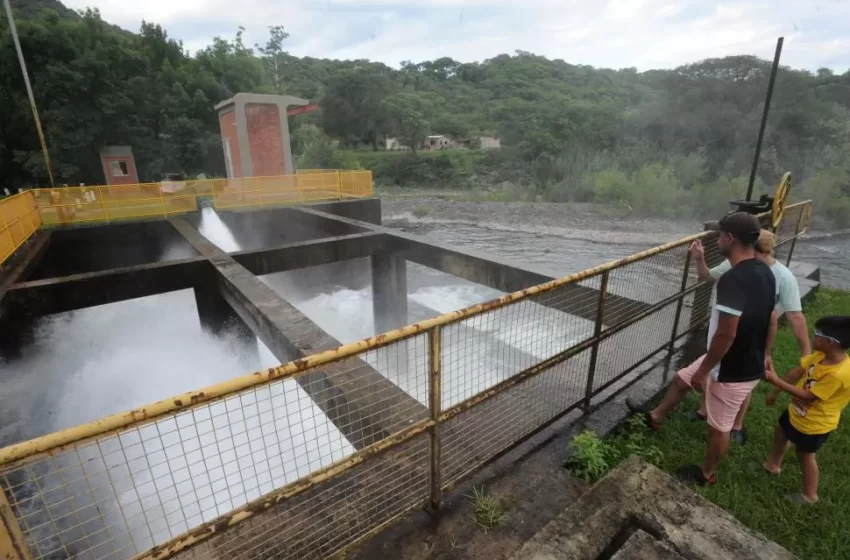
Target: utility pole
29	90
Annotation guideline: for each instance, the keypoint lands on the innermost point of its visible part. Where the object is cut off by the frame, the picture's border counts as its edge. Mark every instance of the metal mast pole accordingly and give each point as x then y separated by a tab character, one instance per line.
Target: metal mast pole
29	90
764	116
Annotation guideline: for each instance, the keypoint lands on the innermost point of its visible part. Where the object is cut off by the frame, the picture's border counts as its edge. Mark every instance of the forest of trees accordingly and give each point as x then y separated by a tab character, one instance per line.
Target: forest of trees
569	132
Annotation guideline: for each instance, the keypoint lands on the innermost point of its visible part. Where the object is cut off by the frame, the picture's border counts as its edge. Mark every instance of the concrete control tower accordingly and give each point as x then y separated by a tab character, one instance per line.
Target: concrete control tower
255	133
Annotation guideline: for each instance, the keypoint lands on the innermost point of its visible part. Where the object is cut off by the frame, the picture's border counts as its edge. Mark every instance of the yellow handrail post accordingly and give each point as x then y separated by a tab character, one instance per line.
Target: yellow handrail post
298	187
29	214
13	545
339	184
8	229
162	201
103	204
262	182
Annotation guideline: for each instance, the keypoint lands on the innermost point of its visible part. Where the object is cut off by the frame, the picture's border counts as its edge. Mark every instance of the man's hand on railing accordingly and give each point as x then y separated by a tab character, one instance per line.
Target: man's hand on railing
698	256
697	250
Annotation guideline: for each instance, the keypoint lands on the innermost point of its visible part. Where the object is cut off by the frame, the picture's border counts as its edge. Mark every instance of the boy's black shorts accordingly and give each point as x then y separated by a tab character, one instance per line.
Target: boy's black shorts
807	443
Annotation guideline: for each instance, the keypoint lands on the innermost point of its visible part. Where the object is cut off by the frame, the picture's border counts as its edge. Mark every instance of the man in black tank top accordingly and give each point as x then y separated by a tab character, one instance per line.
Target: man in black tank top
741	332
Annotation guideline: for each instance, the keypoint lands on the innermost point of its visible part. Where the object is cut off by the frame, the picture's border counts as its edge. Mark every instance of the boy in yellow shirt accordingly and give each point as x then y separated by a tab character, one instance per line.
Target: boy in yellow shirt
820	387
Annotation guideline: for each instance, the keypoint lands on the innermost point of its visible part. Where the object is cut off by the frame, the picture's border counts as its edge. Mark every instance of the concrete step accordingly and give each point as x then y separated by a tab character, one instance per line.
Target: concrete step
808	278
804	270
669	519
808	289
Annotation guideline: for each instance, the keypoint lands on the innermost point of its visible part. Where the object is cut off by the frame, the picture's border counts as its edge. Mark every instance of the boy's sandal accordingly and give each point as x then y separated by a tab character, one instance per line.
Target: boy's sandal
797	498
761	468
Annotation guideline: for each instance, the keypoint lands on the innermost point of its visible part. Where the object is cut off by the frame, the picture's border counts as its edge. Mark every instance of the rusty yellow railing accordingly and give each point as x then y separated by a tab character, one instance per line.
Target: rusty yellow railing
254	468
19	219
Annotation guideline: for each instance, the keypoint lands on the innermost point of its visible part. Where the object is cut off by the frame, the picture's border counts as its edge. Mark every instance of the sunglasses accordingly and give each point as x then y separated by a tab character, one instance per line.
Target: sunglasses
827	337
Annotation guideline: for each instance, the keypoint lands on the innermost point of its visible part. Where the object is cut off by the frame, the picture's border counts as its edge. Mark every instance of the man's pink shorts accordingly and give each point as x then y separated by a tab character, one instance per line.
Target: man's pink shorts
722	400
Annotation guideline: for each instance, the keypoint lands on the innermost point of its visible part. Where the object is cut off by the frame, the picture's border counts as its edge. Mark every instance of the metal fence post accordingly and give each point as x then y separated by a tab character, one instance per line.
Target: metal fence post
681	301
162	201
338	185
435	402
29	214
597	330
103	204
796	233
13	545
7	228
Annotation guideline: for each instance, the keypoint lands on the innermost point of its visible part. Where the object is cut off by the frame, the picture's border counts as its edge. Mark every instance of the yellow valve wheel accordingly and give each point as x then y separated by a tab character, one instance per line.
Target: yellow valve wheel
780	200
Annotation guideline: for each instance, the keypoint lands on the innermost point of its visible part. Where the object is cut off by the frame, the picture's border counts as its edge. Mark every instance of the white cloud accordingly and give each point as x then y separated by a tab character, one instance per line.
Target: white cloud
617	33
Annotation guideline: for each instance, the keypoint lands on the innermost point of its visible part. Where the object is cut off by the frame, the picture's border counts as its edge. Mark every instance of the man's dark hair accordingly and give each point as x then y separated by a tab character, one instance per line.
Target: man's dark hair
744	227
837	327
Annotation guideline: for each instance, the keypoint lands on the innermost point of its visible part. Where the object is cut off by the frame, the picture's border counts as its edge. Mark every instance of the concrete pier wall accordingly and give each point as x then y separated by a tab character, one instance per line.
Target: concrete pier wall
389	292
93	249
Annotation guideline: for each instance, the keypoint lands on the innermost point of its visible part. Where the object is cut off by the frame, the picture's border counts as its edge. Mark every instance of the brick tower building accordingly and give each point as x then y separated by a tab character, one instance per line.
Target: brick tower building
255	134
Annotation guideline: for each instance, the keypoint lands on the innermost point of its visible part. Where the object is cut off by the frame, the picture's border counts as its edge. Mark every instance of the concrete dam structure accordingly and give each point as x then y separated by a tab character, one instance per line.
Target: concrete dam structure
237	380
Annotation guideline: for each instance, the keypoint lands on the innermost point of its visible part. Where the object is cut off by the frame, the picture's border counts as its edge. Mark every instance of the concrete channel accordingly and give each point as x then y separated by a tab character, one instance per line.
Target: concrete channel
367	400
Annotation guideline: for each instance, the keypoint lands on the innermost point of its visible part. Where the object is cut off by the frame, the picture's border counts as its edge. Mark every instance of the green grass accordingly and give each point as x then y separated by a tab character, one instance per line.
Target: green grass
490	512
755	498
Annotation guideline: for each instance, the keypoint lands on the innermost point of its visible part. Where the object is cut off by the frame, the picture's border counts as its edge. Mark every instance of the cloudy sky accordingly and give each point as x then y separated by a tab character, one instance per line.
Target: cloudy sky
610	33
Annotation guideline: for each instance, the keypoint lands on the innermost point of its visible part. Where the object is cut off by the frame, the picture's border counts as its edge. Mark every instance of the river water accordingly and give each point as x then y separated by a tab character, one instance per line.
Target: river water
562	239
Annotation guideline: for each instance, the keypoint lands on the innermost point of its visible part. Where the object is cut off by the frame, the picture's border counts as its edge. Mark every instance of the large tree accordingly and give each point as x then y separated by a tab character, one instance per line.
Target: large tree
409	116
353	105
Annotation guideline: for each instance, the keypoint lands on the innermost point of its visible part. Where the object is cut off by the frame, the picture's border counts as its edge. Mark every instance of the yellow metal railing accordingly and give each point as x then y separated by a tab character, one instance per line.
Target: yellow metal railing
254	468
305	186
106	204
19	219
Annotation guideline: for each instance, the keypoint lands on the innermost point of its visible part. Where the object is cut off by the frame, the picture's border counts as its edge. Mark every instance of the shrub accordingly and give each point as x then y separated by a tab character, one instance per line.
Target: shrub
590	456
612	186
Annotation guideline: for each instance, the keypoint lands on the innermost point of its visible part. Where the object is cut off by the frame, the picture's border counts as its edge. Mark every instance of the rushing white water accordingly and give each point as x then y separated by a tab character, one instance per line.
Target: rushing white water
214	229
149	485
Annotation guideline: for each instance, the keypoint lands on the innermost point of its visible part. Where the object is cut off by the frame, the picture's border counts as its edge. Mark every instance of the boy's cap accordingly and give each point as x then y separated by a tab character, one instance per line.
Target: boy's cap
836	327
744	227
